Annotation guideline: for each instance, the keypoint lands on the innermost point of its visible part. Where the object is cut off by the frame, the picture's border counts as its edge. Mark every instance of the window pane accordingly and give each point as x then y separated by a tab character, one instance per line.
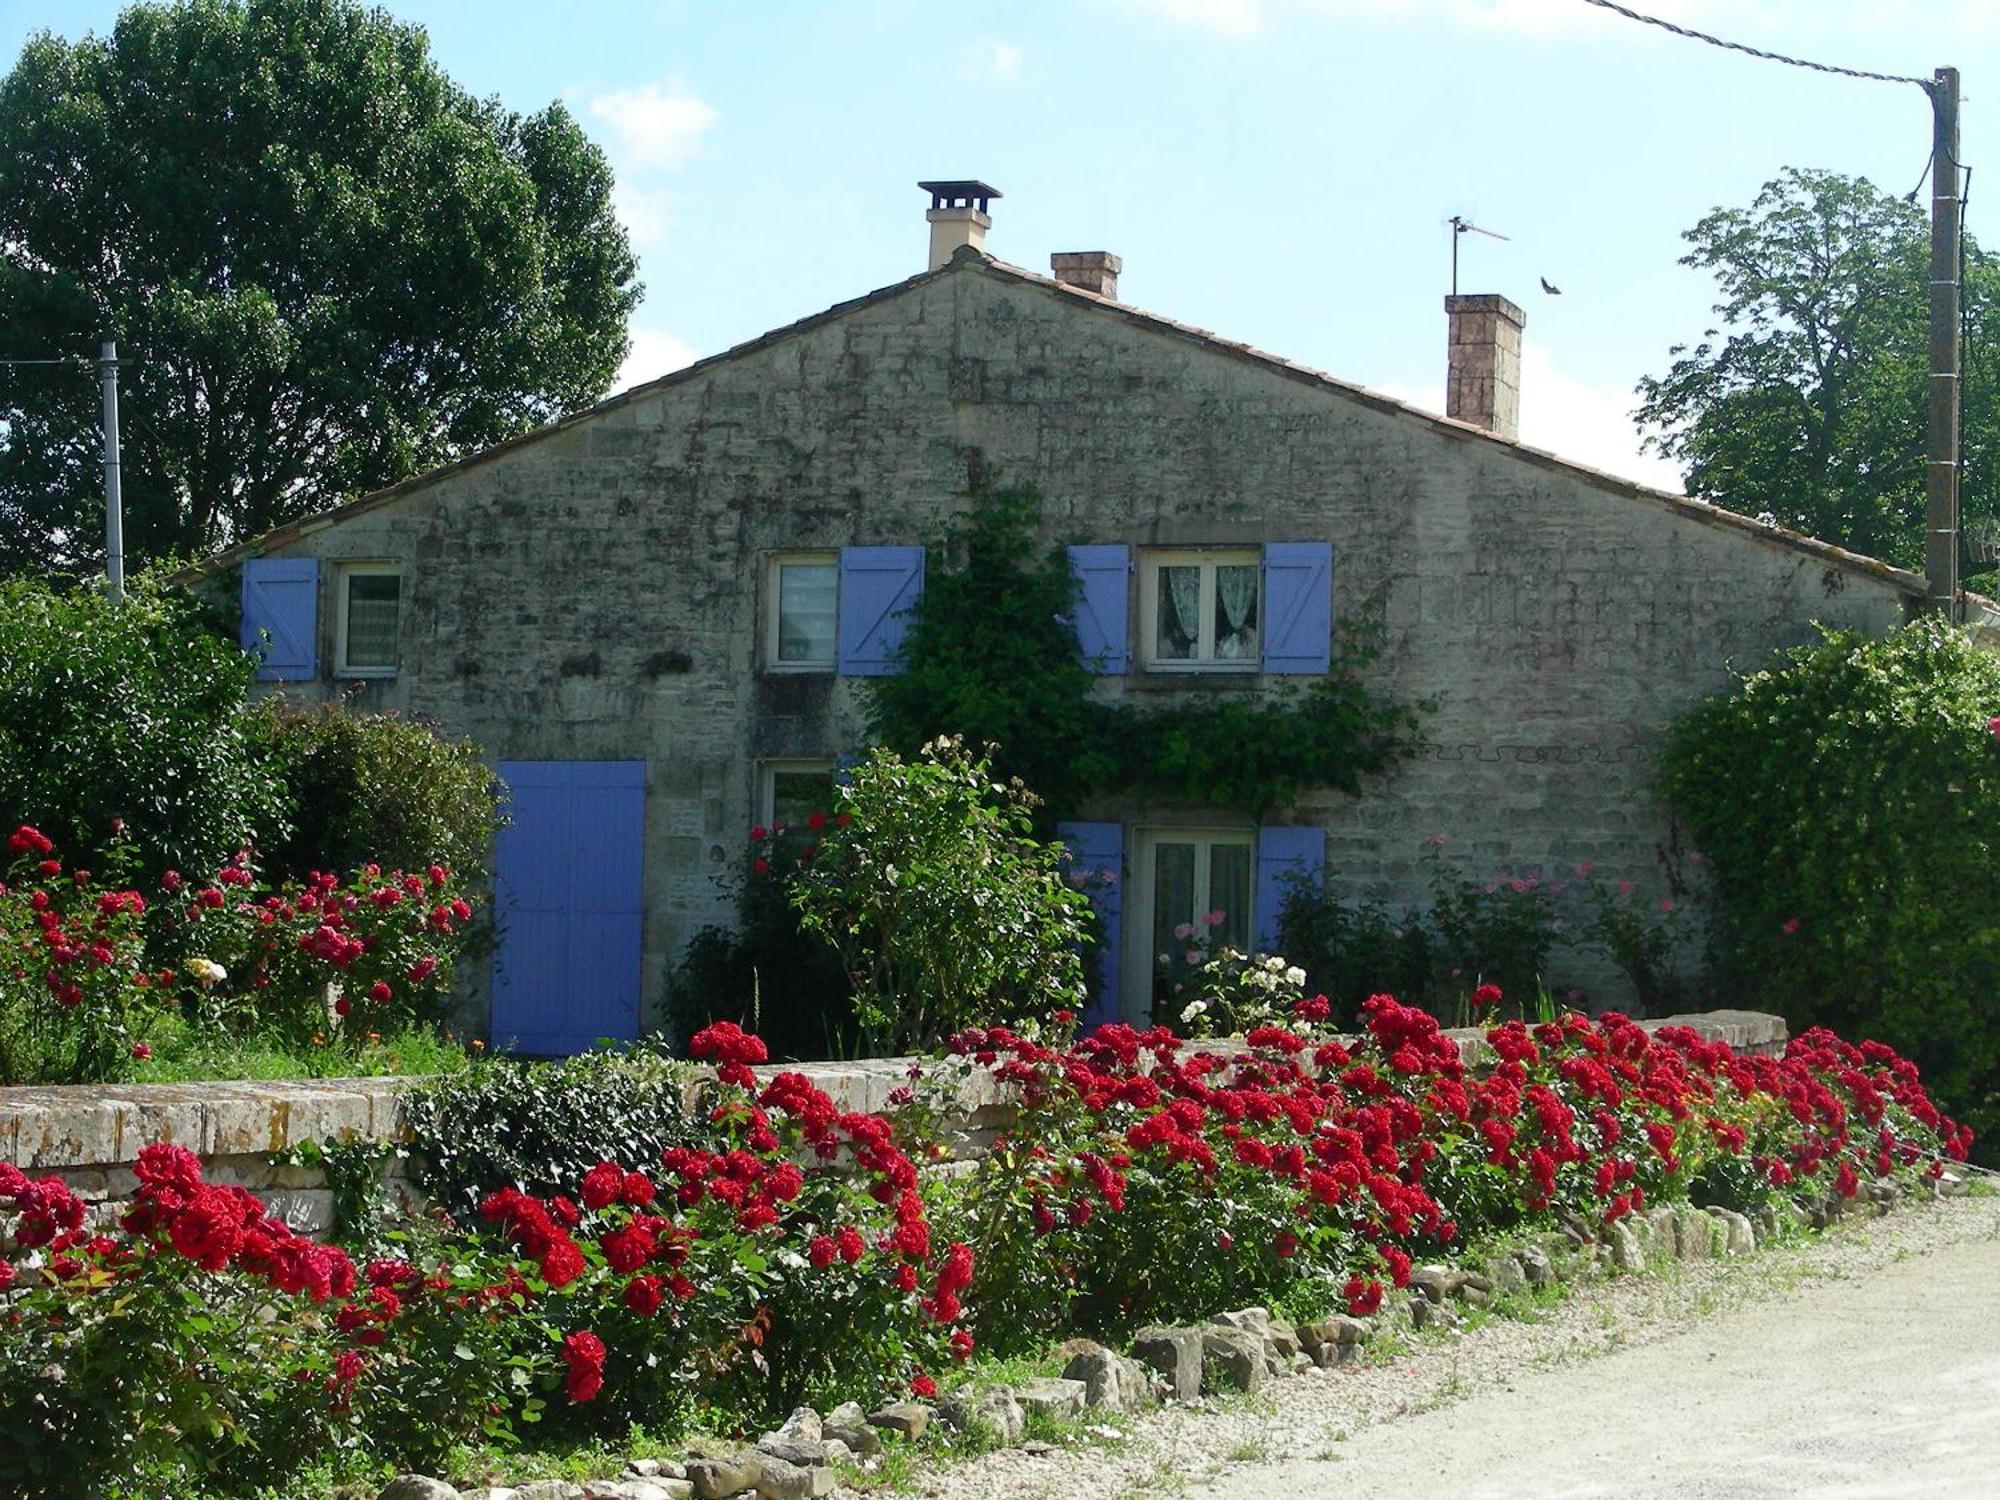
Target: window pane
1236	588
806	612
1173	906
372	601
797	795
1178	629
1229	893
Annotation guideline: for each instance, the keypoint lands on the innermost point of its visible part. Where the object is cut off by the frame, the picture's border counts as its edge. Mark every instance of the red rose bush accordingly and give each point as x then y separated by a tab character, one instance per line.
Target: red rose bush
1149	1178
86	962
793	1252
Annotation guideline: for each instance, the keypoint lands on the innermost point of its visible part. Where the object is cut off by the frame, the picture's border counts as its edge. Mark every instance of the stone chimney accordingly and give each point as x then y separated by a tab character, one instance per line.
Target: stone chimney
1483	372
958	217
1089	271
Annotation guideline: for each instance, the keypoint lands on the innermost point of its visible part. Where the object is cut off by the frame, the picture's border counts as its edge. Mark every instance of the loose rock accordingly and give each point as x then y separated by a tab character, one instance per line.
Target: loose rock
1057	1398
993	1411
417	1487
1695	1232
784	1481
1110	1380
1505	1274
636	1489
808	1453
1625	1252
1536	1267
910	1418
550	1489
803	1423
1177	1354
1236	1356
718	1477
1738	1238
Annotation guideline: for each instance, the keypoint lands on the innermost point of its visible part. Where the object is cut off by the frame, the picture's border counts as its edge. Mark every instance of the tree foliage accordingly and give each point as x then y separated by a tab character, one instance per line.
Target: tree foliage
133	713
1808	404
331	266
1846	801
374	788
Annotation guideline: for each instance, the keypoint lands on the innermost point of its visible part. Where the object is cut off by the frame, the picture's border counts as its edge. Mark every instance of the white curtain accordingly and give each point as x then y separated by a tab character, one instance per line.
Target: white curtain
1236	612
1180	611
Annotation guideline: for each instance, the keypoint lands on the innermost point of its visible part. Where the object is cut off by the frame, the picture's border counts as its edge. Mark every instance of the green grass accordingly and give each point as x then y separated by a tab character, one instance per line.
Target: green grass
183	1053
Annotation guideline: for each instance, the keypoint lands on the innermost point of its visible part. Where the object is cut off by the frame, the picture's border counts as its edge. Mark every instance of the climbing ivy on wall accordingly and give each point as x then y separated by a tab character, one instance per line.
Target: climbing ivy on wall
990	655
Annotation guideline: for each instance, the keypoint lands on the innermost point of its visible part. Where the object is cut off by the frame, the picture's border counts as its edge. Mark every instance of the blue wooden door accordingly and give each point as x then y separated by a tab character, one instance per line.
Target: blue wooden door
569	897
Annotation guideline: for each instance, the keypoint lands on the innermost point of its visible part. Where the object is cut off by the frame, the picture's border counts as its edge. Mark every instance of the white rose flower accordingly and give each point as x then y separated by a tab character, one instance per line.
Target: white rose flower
1295	975
1192	1009
1274	964
207	972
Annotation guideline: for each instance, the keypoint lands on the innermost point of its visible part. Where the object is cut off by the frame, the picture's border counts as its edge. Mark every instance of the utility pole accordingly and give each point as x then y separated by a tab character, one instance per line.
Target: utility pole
1941	449
114	513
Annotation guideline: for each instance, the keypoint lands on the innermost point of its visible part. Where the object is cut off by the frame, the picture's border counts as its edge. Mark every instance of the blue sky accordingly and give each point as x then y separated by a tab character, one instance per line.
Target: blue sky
1276	170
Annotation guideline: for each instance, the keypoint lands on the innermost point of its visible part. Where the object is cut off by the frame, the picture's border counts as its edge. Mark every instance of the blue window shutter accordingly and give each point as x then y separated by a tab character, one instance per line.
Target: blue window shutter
281	617
1097	852
1282	853
1102	633
1298	606
878	588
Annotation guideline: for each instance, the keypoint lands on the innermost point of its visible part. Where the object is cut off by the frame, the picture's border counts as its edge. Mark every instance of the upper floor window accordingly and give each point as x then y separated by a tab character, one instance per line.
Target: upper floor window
803	626
370	609
1203	609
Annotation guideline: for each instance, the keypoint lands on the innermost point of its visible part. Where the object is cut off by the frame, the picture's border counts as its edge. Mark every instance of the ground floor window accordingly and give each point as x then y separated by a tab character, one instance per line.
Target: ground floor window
1192	890
790	791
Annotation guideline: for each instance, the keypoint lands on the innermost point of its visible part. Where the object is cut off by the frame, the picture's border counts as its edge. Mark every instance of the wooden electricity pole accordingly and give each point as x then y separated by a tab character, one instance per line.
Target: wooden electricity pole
1941	449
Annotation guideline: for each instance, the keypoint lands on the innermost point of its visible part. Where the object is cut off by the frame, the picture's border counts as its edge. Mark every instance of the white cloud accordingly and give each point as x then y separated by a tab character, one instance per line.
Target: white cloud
654	126
1230	18
994	61
654	353
645	212
1585	424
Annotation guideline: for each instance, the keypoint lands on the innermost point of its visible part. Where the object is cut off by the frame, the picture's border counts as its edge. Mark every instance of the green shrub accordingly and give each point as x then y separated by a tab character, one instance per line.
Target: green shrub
505	1122
375	788
770	976
941	903
1351	950
133	713
1847	802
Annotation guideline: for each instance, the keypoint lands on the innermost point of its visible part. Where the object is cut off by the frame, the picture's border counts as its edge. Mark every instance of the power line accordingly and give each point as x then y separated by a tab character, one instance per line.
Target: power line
1757	52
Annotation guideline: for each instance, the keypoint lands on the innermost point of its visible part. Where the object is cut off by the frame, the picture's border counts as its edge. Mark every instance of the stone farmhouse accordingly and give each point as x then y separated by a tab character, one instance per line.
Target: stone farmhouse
657	615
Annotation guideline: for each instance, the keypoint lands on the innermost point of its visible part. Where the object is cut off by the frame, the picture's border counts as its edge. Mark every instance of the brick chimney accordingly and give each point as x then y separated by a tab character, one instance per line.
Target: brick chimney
1088	270
958	217
1483	372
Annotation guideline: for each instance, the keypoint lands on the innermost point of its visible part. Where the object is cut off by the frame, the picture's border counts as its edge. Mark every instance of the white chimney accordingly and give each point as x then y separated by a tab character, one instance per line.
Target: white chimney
958	217
1483	368
1088	270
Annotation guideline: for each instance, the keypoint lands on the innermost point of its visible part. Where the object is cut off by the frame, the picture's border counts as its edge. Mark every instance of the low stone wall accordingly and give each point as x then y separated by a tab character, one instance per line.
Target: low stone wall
90	1135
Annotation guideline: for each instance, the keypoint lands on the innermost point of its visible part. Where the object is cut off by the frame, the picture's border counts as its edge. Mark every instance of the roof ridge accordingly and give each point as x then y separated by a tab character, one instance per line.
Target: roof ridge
980	262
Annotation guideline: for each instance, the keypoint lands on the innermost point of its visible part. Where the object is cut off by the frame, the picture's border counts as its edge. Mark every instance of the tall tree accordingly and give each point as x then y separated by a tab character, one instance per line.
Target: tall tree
1808	406
330	265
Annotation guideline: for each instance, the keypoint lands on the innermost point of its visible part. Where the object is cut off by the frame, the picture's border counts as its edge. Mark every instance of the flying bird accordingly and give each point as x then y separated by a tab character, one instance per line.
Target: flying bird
1551	288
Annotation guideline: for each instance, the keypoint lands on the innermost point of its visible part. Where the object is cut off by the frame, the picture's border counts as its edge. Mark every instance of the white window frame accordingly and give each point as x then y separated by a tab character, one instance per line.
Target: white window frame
1208	559
343	574
768	772
773	567
1138	960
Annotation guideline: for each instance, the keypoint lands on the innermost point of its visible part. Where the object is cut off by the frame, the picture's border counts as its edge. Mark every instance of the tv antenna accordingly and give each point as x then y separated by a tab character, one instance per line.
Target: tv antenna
1460	226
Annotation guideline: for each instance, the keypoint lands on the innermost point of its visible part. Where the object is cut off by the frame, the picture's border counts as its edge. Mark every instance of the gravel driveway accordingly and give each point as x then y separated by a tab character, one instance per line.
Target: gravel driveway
1865	1362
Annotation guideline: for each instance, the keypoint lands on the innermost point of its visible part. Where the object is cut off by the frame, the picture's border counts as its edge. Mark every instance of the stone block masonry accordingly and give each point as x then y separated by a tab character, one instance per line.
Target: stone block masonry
90	1135
1557	619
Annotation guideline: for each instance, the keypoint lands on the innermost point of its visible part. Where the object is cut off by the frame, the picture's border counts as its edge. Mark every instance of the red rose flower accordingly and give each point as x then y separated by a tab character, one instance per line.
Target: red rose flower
583	1352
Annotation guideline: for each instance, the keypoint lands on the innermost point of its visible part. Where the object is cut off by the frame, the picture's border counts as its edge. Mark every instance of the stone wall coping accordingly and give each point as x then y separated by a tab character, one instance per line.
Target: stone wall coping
55	1128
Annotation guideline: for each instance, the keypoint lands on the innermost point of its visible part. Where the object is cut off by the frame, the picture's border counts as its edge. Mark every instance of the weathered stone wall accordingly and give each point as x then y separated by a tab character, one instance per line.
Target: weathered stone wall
91	1135
595	593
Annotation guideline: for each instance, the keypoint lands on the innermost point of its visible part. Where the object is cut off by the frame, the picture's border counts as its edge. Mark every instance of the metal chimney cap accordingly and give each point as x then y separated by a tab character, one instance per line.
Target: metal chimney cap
965	193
